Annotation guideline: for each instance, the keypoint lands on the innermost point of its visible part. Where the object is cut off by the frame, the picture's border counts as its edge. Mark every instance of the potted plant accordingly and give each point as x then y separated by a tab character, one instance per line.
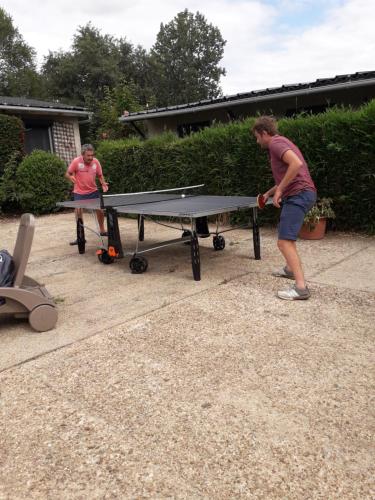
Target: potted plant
314	224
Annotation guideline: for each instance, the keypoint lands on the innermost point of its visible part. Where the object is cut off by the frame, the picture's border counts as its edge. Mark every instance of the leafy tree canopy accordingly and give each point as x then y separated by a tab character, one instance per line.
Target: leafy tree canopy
82	74
18	73
186	59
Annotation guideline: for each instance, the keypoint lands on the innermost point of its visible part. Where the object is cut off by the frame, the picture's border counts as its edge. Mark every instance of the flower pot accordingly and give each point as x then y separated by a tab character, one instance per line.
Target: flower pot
317	233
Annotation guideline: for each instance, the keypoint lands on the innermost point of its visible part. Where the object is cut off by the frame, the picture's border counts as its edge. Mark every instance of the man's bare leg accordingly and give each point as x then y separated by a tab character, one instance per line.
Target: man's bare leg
293	262
78	213
100	217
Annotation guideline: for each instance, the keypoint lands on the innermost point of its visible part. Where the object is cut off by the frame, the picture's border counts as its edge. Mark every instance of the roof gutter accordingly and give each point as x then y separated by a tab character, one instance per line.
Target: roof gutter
47	111
253	99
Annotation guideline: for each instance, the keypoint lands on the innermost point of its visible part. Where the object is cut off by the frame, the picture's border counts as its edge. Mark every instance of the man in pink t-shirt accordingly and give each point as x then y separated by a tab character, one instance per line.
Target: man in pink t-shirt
82	172
294	192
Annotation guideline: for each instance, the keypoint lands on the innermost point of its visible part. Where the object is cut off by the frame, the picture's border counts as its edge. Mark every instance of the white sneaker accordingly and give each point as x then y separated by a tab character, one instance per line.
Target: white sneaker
294	293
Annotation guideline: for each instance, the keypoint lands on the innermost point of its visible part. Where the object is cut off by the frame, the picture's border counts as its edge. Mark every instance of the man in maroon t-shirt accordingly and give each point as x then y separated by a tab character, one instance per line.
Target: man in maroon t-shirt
294	192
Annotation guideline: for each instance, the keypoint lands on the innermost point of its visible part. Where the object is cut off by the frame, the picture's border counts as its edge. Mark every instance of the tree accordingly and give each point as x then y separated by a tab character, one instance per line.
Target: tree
18	73
81	75
143	78
186	59
105	74
96	62
105	123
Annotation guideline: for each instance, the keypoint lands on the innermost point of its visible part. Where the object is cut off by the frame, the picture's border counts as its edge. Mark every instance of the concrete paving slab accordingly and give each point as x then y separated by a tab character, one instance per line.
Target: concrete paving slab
356	271
156	386
229	393
92	297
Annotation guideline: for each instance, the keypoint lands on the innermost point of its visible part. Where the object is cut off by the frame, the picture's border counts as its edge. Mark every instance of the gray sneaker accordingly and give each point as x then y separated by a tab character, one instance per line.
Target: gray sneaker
283	273
294	293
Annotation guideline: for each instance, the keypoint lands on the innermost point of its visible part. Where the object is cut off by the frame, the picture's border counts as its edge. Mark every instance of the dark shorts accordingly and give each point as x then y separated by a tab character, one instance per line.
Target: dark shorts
293	212
89	196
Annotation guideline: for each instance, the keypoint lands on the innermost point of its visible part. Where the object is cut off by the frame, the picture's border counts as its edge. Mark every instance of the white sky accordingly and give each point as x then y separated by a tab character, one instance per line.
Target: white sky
269	42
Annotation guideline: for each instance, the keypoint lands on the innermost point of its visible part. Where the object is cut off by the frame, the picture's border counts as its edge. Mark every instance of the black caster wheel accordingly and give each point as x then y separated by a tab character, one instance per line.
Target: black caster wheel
105	258
138	264
218	242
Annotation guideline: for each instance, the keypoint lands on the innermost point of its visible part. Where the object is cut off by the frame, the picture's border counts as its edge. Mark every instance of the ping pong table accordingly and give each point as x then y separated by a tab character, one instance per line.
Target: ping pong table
182	204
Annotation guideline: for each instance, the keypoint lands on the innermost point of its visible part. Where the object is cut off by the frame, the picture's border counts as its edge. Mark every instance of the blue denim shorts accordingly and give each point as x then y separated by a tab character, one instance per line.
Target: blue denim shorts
293	212
89	196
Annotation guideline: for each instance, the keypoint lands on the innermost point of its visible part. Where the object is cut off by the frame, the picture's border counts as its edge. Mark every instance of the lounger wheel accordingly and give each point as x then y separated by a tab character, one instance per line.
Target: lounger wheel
138	264
218	242
43	318
105	258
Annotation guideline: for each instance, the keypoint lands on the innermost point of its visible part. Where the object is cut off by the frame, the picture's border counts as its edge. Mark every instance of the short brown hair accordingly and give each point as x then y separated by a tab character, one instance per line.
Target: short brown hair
265	124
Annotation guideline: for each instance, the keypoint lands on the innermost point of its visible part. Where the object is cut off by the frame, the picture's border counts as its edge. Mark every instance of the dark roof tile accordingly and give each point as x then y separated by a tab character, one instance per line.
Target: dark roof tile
36	103
320	82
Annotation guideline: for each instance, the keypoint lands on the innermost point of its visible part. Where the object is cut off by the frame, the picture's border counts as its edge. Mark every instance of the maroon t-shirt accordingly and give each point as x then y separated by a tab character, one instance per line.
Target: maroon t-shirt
302	181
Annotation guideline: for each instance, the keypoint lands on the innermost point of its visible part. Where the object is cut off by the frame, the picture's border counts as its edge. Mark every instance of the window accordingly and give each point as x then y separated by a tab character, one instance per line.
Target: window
38	136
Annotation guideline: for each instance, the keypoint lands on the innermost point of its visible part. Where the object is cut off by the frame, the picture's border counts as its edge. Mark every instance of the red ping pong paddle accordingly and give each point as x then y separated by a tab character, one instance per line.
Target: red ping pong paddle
261	201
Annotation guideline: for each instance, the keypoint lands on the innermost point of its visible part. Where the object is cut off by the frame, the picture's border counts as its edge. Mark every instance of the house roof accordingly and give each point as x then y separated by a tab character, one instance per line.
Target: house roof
20	104
358	79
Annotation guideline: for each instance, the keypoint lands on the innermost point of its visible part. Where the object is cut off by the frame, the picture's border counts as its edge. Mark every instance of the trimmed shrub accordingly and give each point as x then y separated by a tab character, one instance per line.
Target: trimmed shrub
8	190
338	145
38	184
11	139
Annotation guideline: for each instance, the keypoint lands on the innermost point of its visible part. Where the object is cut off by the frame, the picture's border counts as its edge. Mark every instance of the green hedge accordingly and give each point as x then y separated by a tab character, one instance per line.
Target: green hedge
339	146
35	185
11	138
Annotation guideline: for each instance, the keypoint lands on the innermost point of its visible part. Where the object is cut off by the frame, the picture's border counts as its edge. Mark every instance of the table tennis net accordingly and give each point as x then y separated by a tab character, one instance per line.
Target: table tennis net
120	200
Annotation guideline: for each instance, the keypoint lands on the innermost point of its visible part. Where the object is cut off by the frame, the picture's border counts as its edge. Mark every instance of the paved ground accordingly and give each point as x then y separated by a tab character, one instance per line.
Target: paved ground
156	386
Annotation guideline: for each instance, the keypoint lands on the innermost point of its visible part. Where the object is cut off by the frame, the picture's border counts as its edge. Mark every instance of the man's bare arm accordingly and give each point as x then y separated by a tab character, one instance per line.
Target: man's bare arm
70	177
103	183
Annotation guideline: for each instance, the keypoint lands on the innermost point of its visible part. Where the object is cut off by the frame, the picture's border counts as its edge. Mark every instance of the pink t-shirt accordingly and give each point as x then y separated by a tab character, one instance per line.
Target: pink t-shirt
302	181
85	175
